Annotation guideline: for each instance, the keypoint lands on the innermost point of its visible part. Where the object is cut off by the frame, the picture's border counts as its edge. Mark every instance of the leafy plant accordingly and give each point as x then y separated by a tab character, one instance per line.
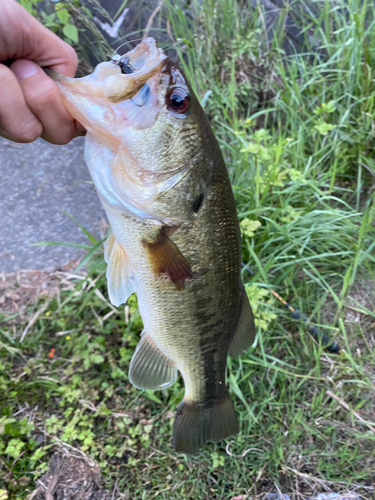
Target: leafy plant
57	16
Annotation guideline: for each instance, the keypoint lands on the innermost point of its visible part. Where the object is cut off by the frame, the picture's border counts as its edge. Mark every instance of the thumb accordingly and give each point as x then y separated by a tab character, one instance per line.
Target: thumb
23	37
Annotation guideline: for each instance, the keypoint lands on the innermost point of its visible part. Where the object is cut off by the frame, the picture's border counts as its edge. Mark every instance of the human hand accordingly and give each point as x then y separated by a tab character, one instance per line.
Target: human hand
30	102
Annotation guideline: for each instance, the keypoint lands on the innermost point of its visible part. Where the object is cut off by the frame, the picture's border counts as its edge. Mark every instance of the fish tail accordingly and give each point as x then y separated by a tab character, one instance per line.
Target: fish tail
197	423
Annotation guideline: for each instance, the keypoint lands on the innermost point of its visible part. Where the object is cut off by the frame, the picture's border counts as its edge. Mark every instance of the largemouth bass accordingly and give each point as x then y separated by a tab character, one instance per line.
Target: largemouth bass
175	237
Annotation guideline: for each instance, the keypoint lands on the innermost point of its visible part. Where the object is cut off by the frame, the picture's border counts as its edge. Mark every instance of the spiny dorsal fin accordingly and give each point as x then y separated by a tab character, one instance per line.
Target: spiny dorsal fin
149	368
167	259
245	333
120	283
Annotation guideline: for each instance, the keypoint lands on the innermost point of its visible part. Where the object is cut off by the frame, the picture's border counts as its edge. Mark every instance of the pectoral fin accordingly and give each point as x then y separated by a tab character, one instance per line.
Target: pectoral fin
167	259
149	368
120	284
245	333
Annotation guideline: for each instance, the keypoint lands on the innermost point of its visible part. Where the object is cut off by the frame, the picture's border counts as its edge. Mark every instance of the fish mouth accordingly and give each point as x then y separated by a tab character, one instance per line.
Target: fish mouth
121	78
128	78
136	68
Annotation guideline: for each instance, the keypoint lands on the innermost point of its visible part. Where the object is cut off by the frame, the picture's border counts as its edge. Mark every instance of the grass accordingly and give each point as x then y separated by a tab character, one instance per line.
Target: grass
297	133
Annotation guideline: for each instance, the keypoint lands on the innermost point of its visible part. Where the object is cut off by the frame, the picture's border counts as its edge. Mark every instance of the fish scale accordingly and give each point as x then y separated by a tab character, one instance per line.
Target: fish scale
175	241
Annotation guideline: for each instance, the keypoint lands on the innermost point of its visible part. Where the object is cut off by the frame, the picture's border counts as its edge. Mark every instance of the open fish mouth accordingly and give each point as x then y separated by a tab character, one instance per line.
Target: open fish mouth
114	93
121	78
136	67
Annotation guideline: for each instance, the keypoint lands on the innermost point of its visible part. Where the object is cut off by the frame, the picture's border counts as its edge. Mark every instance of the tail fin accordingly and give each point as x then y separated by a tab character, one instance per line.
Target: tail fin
197	423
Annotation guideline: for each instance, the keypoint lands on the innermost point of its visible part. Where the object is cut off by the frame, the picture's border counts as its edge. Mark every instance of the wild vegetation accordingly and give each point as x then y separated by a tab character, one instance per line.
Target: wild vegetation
297	133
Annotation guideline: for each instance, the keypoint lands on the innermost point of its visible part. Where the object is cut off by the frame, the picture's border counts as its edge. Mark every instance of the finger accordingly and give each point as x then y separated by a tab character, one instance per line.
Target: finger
52	52
44	99
33	41
17	122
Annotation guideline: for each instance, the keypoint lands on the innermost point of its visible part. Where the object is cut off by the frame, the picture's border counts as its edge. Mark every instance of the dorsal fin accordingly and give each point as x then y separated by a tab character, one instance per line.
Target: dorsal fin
245	333
120	282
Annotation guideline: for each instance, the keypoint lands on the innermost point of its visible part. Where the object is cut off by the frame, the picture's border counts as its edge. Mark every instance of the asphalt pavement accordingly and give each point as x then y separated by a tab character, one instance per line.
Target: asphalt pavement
38	182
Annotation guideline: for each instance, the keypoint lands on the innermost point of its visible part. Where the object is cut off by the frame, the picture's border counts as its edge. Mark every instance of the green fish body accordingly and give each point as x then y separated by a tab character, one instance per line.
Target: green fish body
175	237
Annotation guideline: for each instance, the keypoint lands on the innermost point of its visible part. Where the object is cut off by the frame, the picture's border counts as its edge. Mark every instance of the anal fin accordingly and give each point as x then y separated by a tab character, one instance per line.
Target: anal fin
245	332
150	368
166	258
119	280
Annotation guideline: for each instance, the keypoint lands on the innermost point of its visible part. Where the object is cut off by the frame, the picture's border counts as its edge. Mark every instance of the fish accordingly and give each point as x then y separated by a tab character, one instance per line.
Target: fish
175	241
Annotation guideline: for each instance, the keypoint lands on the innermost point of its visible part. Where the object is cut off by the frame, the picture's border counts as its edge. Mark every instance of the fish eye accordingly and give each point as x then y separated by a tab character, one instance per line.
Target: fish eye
178	100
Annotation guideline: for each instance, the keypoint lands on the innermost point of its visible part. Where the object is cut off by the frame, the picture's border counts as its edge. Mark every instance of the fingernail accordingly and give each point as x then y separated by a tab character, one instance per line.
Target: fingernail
24	69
